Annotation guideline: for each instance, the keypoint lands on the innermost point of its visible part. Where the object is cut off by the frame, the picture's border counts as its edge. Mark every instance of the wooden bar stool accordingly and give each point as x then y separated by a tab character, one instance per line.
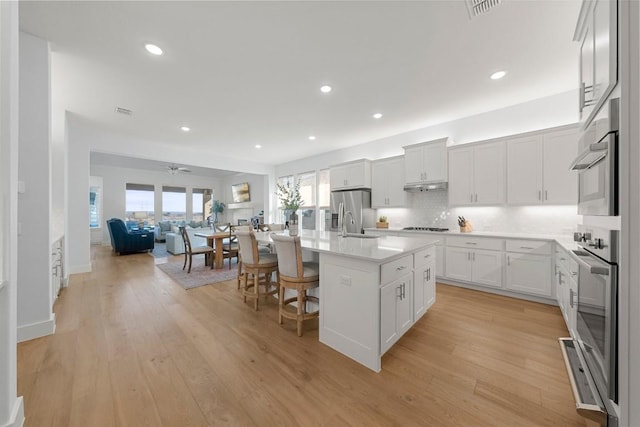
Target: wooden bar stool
298	275
258	266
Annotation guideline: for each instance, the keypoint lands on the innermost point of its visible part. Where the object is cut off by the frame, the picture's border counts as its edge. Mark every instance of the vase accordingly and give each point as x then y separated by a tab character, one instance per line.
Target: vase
293	224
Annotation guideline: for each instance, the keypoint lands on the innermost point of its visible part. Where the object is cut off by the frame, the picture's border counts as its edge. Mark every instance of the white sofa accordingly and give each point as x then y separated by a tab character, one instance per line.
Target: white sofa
175	243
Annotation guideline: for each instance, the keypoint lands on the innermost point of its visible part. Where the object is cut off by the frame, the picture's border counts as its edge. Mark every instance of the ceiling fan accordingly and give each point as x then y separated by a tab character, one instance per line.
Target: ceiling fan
173	169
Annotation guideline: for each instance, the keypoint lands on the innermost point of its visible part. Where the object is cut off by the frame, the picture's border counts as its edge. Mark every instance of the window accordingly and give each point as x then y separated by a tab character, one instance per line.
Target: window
174	203
324	200
201	198
95	201
308	193
139	204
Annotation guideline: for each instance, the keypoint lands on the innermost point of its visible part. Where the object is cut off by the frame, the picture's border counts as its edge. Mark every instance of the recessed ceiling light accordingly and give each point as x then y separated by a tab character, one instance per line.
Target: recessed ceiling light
312	138
258	146
377	115
153	49
498	75
325	89
185	128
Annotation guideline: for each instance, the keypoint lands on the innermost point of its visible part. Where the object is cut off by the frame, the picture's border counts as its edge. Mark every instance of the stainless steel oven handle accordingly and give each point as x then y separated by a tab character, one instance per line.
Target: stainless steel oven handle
591	156
592	265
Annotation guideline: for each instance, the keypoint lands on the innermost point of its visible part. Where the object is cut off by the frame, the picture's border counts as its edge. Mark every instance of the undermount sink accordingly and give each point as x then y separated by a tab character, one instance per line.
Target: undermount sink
362	236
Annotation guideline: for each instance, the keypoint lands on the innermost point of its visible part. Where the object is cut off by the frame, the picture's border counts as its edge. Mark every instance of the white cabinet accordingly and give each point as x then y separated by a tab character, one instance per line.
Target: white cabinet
529	273
483	267
396	308
476	175
567	288
597	33
440	261
538	169
426	162
356	174
424	282
387	183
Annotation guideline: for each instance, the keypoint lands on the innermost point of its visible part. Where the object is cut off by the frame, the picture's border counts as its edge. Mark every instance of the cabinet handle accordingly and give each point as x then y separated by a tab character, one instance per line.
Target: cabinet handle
427	256
403	289
526	247
429	274
560	281
546	195
508	260
539	195
402	267
399	292
574	273
425	275
474	256
470	243
571	294
476	198
581	97
468	256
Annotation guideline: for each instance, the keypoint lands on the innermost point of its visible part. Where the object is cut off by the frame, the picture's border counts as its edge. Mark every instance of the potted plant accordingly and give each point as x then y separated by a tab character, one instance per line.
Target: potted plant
382	222
217	207
291	201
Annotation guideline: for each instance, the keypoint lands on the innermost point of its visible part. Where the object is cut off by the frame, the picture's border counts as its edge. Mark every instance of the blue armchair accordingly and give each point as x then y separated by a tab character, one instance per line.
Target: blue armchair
124	241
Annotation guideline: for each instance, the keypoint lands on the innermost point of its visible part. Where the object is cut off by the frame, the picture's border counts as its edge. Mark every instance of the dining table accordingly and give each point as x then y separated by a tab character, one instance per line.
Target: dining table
216	240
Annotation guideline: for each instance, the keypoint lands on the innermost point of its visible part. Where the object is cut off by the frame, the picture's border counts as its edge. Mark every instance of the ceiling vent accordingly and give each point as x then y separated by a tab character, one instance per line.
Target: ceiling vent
124	111
478	7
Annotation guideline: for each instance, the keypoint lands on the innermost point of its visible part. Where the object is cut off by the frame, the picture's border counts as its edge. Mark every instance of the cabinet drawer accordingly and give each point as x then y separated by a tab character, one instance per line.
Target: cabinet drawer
475	243
537	247
424	257
395	269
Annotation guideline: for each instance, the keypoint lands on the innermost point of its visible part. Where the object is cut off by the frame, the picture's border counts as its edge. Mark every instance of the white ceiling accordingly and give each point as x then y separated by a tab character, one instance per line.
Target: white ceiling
246	73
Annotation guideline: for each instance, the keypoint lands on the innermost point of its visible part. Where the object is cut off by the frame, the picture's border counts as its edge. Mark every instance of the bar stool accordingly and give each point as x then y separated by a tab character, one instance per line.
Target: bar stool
256	265
298	275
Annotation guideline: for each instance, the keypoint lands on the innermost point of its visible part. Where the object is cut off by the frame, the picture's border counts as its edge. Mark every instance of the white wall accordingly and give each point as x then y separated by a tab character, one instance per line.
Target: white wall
114	180
257	191
35	317
11	409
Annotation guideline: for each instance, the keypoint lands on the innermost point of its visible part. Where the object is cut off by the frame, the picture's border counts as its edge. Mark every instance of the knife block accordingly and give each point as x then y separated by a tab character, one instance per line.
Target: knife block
467	228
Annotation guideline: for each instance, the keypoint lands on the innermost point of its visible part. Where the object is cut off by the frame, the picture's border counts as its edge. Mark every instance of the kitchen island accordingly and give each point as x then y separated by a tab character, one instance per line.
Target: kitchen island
372	290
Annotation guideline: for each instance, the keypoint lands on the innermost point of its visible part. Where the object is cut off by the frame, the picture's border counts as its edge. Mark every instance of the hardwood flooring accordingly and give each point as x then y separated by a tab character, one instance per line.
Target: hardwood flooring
133	348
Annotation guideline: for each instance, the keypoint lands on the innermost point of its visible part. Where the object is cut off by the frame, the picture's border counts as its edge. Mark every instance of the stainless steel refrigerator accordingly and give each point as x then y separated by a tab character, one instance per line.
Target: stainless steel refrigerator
358	202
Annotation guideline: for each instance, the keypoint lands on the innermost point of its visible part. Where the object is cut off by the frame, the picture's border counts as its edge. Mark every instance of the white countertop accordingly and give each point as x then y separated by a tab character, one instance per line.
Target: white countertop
566	241
379	250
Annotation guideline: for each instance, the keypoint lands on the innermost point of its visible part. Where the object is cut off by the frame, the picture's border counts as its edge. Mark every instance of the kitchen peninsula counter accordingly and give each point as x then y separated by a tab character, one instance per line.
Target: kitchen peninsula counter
372	290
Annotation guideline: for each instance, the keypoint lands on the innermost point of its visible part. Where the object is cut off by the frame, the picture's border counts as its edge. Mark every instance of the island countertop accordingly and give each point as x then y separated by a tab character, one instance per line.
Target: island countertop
380	250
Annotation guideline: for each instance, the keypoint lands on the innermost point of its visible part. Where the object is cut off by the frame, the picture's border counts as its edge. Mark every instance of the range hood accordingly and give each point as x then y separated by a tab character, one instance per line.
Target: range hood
418	188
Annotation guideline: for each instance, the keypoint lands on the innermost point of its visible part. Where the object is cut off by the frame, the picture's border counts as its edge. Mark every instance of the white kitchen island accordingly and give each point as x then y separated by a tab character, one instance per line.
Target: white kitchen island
372	290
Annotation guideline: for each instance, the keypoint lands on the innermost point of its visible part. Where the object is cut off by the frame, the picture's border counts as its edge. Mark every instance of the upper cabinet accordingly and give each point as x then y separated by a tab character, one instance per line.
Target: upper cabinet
538	169
426	162
596	32
387	183
476	175
351	175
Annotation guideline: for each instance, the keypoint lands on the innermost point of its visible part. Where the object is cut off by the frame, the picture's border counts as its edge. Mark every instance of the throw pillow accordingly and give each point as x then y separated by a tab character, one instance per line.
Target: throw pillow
165	226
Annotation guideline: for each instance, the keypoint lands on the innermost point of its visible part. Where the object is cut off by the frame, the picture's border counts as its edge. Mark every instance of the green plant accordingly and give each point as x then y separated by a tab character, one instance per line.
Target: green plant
382	218
217	207
290	196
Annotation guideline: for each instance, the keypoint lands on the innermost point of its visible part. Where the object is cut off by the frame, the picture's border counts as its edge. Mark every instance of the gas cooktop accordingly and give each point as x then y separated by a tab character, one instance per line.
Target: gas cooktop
425	229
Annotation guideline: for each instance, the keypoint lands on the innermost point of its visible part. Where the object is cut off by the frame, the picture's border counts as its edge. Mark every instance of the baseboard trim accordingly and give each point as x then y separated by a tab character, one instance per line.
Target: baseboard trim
76	269
37	330
17	414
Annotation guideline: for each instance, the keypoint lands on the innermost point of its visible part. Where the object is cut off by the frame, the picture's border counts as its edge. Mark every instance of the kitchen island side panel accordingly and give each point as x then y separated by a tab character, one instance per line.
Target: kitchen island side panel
350	308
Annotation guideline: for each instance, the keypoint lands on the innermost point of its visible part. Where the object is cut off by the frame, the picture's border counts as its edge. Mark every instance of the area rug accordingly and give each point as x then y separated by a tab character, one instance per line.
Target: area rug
200	274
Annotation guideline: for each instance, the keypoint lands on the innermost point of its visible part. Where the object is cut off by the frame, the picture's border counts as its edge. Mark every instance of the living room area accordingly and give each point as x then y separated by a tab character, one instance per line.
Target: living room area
158	197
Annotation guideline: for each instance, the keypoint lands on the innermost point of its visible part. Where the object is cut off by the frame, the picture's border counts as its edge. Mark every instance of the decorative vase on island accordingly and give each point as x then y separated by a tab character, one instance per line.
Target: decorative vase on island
293	224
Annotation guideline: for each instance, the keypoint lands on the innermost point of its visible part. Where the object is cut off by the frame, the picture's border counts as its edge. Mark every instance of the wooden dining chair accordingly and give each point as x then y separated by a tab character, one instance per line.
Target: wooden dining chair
230	248
190	251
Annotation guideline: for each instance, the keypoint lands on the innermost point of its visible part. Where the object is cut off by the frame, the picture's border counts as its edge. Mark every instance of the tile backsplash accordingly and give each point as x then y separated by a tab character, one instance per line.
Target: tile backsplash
430	209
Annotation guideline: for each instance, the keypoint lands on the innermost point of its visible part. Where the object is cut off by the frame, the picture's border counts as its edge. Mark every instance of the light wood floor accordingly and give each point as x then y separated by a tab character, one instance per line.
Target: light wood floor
132	348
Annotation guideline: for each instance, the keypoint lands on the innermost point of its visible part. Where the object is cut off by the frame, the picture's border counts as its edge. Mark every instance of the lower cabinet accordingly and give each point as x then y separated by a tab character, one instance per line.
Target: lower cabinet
439	261
396	310
567	289
529	273
483	267
424	283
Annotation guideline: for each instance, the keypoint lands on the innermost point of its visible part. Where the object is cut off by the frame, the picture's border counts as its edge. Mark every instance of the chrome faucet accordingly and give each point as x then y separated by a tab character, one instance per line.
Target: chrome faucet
341	217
